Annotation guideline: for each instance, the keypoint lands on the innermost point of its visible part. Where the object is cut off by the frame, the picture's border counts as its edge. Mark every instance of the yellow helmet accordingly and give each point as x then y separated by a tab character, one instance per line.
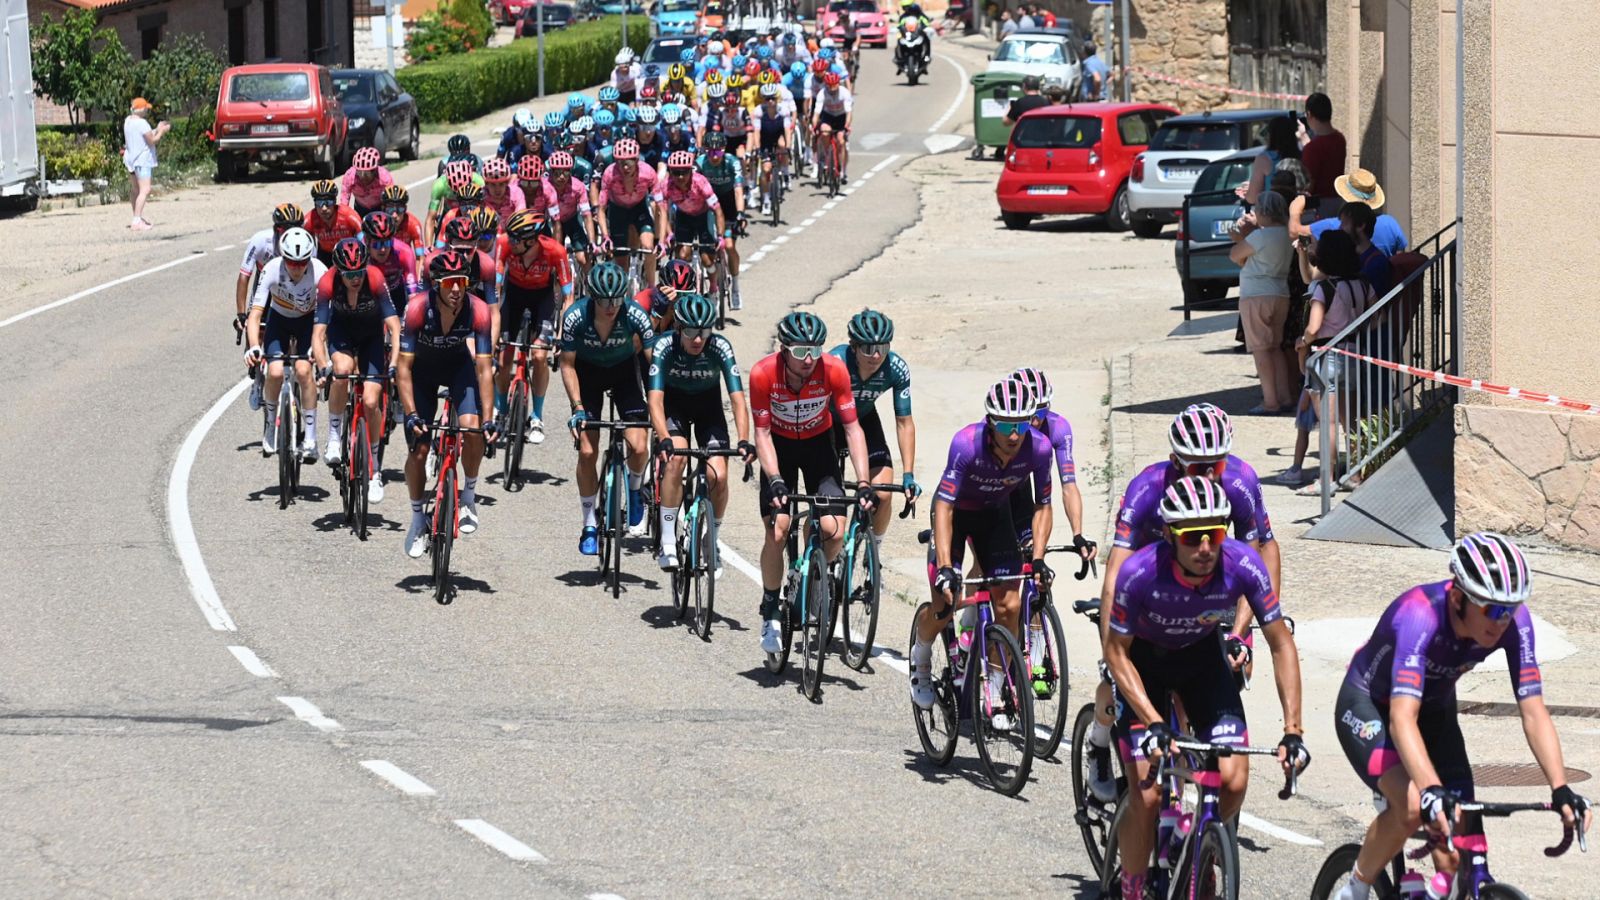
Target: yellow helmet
767	76
675	72
714	76
735	81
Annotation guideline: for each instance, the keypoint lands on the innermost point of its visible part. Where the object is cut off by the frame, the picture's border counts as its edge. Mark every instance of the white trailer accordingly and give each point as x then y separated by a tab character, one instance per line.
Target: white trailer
19	145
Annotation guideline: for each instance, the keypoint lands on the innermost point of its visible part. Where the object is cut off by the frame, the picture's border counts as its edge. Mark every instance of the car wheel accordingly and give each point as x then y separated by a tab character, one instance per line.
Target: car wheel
1119	215
381	141
1015	221
327	165
226	168
413	146
1145	228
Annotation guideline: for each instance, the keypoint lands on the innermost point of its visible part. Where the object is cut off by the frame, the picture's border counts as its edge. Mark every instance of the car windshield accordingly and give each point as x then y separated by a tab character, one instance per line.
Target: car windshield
275	87
354	88
553	12
1224	175
679	6
1022	51
1056	132
855	6
1196	136
665	51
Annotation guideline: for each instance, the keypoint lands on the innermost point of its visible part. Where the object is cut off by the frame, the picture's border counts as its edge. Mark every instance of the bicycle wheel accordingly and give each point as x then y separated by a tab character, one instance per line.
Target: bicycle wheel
616	525
1111	868
1335	873
704	573
1003	726
684	539
859	612
815	621
777	196
358	471
1047	658
1500	891
516	431
288	452
939	726
341	475
724	289
1092	816
1216	869
444	535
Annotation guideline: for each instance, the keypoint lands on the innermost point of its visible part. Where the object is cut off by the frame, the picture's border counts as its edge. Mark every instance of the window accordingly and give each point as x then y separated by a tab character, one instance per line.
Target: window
1224	176
1196	136
1134	129
238	48
354	88
1056	133
1024	51
316	32
269	29
855	6
270	87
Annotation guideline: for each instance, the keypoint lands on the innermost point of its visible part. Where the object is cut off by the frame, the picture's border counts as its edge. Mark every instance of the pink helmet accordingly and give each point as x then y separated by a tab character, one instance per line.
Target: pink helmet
627	148
497	171
680	159
367	159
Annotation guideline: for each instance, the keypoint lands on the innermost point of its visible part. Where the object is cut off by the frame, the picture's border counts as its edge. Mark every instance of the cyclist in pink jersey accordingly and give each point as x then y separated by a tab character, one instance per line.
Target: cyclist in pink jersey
625	190
687	208
499	194
365	180
574	219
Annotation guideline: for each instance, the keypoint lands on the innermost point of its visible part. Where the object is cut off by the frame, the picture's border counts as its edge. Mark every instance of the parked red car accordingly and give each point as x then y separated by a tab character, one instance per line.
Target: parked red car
280	114
1074	159
508	12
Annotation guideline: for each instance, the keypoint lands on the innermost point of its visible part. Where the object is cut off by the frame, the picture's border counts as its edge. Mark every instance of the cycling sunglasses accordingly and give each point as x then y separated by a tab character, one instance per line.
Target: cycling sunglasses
1009	428
805	351
353	275
453	281
324	204
873	349
1497	612
695	334
1194	534
1205	467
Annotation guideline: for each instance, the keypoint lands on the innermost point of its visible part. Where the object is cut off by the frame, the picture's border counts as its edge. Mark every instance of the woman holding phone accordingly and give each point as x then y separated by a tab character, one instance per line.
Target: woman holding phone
139	156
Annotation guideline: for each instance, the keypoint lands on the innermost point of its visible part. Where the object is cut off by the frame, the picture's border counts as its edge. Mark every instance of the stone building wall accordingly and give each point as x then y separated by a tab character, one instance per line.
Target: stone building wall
1528	473
1183	38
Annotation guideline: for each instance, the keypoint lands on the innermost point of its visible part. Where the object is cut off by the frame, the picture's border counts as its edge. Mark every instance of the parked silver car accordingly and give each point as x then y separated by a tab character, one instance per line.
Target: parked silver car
1179	151
1050	53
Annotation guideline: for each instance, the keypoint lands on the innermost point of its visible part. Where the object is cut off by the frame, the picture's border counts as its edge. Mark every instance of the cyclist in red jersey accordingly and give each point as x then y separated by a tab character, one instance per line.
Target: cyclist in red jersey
329	221
790	395
532	264
407	227
355	319
461	236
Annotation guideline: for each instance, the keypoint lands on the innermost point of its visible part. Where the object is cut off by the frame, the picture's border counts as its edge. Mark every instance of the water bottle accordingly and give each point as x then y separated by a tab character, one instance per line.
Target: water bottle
1166	846
956	667
1036	646
1413	886
1439	887
966	621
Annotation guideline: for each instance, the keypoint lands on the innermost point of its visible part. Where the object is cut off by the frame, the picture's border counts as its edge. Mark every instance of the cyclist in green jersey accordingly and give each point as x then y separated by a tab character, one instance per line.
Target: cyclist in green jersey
723	170
876	370
688	367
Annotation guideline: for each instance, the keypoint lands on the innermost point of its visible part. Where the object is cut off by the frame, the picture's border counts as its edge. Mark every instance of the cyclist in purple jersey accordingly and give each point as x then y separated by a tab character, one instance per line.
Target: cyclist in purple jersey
1163	639
988	461
1396	712
1058	432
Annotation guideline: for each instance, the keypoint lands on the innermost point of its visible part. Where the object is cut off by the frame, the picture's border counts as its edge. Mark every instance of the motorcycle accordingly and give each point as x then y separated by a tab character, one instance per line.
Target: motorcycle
911	51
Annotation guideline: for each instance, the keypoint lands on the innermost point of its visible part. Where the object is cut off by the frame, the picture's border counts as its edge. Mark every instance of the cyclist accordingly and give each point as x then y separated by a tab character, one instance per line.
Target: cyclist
459	149
652	143
445	342
791	51
790	394
500	195
391	257
577	107
537	193
876	370
725	174
625	199
678	83
602	336
364	182
330	221
397	203
832	114
574	216
523	138
1396	711
677	277
289	283
987	461
685	394
688	211
726	114
261	248
532	266
458	180
772	125
461	234
607	99
649	96
678	137
355	320
1055	427
461	206
849	45
1164	638
1200	437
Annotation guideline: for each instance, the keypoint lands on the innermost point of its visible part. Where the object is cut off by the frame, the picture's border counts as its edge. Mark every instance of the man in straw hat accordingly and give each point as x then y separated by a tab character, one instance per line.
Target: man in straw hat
1362	187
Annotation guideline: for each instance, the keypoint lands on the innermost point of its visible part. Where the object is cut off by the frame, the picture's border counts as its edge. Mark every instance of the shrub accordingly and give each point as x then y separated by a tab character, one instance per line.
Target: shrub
465	86
73	153
181	77
459	27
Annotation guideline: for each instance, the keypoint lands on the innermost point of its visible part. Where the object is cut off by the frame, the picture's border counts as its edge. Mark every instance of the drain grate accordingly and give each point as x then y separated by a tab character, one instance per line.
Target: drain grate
1496	708
1518	775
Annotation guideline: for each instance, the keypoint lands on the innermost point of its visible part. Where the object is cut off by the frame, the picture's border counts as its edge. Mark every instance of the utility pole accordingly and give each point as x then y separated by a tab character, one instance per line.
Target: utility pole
1126	60
538	26
388	30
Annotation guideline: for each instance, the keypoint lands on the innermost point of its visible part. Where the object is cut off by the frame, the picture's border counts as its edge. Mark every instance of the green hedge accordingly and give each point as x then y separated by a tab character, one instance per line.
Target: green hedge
468	85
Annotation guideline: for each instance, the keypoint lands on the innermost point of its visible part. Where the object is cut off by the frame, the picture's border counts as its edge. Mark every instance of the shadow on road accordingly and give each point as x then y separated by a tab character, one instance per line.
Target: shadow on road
423	584
592	578
961	767
307	492
1087	886
526	477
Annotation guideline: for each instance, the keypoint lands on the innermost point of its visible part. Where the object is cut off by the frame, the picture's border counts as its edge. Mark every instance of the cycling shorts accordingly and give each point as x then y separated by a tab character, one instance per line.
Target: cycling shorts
878	456
621	218
541	302
836	121
366	347
621	381
700	413
572	232
689	228
457	372
994	544
625	98
736	142
1200	678
1022	511
283	330
771	135
812	457
1363	728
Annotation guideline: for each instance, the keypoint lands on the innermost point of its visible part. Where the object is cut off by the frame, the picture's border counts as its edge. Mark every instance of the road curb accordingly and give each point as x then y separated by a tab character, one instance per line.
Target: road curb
1119	430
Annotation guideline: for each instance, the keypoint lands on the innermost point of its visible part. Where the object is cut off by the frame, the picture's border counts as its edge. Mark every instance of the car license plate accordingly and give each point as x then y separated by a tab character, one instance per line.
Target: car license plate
1047	189
1222	228
269	129
1183	172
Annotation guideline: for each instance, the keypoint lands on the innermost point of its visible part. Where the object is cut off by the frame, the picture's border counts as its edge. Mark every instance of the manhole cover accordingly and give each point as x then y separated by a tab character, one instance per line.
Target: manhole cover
1496	708
1518	775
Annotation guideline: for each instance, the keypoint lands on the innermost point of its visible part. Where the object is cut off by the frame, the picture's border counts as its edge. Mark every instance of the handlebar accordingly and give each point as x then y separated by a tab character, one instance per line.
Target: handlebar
1504	810
1291	785
907	511
1085	568
710	452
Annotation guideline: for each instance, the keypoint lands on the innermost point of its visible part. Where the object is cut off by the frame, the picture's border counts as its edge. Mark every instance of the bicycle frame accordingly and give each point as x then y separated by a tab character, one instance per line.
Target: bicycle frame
1475	863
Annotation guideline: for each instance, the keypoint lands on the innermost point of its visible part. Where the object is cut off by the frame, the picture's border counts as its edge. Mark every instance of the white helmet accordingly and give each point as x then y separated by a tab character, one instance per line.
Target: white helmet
1194	498
1010	398
524	120
827	44
625	56
1198	433
1035	379
1214	410
1490	569
297	245
715	48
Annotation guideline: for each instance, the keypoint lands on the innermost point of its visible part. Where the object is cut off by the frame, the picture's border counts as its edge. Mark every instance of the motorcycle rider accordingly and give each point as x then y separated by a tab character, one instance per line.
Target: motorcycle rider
911	11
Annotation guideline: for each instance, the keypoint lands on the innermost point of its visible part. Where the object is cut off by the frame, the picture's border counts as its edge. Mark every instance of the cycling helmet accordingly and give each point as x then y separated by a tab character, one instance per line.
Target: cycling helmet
1216	411
767	76
1038	383
797	69
554	119
737	63
459	145
680	159
560	161
297	245
378	226
716	142
460	230
676	71
715	48
769	91
826	54
604	118
831	79
287	215
735	81
471	193
870	327
485	221
525	225
1009	398
819	66
367	159
671	114
609	94
789	39
396	193
576	101
801	327
752	68
827	43
1194	497
529	168
1490	569
1197	434
498	171
693	310
714	77
607	281
763	52
449	263
716	91
458	177
648	115
582	125
524	121
324	190
687	56
625	56
678	275
350	255
626	114
626	149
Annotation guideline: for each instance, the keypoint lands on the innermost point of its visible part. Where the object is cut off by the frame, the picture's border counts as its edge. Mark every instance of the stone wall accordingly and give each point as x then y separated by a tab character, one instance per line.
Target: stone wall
1182	38
1528	474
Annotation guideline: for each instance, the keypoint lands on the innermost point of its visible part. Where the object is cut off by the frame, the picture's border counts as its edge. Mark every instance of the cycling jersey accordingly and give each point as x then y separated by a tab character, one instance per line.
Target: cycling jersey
399	268
366	196
696	199
1414	652
894	375
770	127
835	101
440	192
365	316
510	202
290	298
615	192
582	169
548	266
410	230
485	272
571	201
1139	518
262	247
1154	603
422	332
340	224
975	479
653	152
582	339
733	122
724	175
804	412
674	369
1059	432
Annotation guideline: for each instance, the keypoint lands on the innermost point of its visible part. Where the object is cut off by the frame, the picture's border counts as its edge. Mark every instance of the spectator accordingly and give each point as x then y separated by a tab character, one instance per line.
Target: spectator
1007	26
1357	220
1045	17
1338	296
1362	186
1030	100
1096	74
1055	93
1322	147
139	156
1281	145
1289	181
1024	19
1263	252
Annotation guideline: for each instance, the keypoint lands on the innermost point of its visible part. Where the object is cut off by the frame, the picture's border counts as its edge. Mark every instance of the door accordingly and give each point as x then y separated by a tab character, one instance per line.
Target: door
19	148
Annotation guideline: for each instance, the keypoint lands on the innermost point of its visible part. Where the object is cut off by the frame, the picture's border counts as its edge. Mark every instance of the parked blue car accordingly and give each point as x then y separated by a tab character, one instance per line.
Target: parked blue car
615	9
675	16
1206	232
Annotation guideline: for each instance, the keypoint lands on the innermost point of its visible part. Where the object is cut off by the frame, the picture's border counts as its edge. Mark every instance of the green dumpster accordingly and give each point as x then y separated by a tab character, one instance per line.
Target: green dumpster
992	93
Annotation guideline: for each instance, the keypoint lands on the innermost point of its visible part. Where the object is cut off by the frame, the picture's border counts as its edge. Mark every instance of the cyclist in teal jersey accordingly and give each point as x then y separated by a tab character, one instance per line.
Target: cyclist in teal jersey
726	175
876	370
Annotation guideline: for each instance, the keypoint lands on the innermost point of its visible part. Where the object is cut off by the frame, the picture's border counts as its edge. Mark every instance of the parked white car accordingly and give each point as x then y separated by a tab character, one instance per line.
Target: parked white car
1179	151
1050	53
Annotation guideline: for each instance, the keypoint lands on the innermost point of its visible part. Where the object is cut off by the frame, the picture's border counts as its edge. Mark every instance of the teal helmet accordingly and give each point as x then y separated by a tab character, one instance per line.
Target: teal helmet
607	281
871	327
693	310
802	328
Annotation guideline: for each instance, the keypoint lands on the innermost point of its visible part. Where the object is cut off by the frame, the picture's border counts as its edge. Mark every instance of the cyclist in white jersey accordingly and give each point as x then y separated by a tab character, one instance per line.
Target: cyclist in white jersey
262	246
286	296
833	113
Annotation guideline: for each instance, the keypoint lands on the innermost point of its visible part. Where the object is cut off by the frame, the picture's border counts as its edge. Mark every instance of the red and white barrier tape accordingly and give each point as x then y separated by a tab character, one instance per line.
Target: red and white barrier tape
1473	384
1206	85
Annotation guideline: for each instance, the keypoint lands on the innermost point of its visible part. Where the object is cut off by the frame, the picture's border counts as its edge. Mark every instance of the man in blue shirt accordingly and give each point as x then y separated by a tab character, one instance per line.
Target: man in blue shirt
1362	186
1096	74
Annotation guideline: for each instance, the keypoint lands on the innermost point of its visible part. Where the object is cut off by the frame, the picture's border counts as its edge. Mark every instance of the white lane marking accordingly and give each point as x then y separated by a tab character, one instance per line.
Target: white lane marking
768	247
806	224
830	204
848	191
499	840
194	565
222	248
251	662
732	558
780	239
421	181
884	164
961	79
755	257
1278	831
405	781
89	292
307	712
799	228
604	897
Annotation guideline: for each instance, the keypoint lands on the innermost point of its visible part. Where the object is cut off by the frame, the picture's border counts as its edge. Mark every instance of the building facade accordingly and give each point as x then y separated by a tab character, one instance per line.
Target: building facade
241	31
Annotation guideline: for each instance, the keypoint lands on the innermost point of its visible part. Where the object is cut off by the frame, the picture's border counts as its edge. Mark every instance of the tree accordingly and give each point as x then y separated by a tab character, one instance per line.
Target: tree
79	65
181	77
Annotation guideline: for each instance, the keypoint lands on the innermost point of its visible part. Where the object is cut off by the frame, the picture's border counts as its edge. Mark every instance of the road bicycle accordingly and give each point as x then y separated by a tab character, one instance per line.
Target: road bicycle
632	261
773	160
828	174
699	558
360	464
806	597
1044	643
519	403
611	510
860	582
1092	815
980	674
290	426
711	281
1472	880
444	506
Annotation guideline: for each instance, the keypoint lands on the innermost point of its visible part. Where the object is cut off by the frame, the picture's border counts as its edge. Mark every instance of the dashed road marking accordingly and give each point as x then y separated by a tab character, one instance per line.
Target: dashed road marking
1278	831
251	662
307	712
401	779
222	248
499	840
